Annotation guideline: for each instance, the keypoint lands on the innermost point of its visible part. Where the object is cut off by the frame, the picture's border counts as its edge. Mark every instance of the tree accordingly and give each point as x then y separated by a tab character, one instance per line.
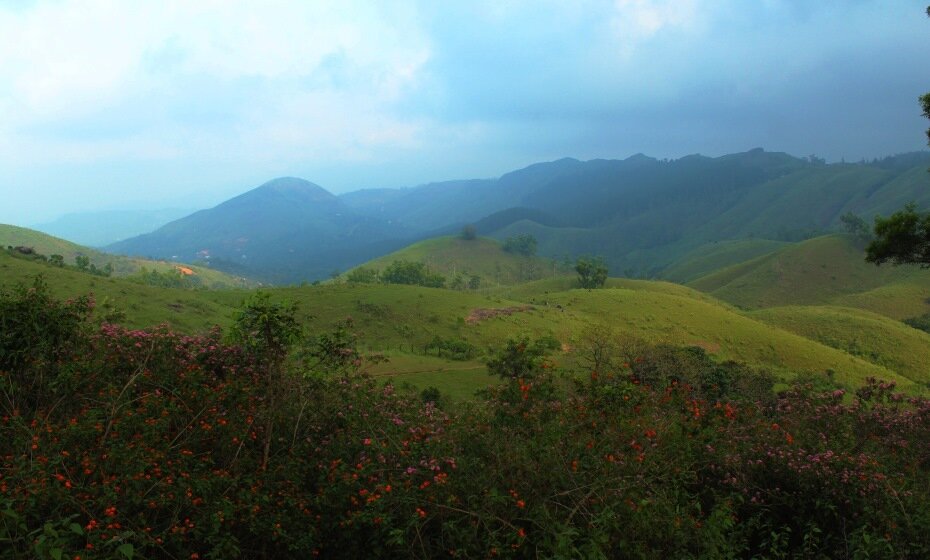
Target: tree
82	262
362	275
904	237
412	273
857	227
519	359
522	245
592	272
268	331
469	232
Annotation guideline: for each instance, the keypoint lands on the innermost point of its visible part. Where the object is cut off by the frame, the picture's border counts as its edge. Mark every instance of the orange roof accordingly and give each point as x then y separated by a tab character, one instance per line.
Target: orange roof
184	270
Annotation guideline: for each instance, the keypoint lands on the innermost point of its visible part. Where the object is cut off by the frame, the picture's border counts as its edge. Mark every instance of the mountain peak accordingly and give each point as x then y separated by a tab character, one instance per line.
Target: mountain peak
294	185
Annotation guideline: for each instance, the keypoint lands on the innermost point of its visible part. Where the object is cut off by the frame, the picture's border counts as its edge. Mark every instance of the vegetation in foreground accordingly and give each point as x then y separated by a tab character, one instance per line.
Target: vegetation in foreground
147	443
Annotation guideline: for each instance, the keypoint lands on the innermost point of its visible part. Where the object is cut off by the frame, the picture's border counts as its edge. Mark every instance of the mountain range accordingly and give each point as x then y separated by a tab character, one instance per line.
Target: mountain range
641	214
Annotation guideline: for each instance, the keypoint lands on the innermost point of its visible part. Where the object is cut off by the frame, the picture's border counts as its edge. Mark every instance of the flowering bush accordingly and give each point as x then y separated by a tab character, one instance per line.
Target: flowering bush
155	444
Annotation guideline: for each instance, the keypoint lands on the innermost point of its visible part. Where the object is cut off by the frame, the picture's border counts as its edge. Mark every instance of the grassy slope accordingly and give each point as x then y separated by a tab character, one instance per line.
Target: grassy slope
868	335
122	266
715	256
820	271
481	256
401	319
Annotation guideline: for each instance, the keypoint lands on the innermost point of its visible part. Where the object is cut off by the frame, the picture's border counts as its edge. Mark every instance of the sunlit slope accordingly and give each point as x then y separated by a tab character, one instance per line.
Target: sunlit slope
715	256
13	236
405	318
726	333
185	310
481	256
824	270
408	316
870	336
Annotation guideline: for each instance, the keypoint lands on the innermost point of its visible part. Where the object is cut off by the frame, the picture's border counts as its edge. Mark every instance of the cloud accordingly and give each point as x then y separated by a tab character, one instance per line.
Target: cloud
272	64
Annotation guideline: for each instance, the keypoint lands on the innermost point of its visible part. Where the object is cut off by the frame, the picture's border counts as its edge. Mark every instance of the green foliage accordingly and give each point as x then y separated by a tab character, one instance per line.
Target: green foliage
411	273
902	238
524	244
165	279
335	352
857	227
82	262
56	260
457	349
592	272
266	329
921	323
520	358
362	275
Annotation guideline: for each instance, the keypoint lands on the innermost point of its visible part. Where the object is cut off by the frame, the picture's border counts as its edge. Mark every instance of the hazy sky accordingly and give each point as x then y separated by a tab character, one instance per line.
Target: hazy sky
122	104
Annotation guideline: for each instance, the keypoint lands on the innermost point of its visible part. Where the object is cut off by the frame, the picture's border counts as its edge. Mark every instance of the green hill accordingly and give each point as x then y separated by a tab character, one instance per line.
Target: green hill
717	255
481	256
13	236
402	320
870	336
820	271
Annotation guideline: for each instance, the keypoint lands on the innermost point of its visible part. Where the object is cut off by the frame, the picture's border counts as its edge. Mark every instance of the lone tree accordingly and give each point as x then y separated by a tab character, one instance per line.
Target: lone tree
469	232
903	237
592	272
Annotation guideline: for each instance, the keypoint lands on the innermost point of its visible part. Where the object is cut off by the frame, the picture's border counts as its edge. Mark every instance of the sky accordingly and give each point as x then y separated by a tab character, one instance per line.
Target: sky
119	104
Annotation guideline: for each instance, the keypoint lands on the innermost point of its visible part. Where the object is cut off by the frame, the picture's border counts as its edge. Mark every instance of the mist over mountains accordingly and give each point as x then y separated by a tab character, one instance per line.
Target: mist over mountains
640	213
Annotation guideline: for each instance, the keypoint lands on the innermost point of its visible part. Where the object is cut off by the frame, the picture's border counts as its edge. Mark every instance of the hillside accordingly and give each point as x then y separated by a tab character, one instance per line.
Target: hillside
870	336
820	271
286	230
642	214
718	255
12	236
482	257
402	320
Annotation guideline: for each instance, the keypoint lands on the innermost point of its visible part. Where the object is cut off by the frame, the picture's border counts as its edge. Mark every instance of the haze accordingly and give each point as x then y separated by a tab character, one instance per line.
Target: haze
111	104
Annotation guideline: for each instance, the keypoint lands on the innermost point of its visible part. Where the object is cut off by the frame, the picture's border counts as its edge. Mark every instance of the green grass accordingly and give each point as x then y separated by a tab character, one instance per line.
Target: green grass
821	271
13	236
662	317
455	380
870	336
401	320
718	255
482	256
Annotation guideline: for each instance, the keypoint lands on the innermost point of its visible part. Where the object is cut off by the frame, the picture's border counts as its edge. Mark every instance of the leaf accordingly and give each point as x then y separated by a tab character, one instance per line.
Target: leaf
76	529
56	553
126	550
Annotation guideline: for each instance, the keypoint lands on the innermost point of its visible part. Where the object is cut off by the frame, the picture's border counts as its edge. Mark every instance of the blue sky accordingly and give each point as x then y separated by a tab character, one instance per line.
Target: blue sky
121	104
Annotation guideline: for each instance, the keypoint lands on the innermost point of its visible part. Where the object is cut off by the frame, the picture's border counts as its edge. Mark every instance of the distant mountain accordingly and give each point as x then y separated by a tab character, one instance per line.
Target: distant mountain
642	214
97	229
285	230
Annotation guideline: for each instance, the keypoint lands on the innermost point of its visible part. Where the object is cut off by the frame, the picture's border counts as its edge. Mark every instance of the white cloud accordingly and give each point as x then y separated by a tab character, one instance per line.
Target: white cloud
73	62
634	21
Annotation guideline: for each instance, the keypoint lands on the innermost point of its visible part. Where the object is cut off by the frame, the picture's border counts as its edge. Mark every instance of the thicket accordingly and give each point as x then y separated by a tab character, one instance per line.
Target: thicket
270	443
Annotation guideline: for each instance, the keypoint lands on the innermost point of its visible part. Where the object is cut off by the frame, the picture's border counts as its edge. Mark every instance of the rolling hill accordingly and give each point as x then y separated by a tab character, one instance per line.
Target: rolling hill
821	271
402	320
484	257
12	236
